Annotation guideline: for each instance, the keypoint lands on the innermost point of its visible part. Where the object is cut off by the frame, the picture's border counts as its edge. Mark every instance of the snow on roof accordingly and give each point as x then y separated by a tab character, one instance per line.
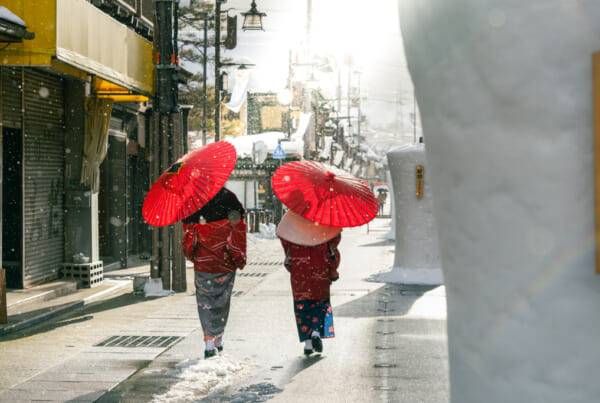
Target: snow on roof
6	14
243	144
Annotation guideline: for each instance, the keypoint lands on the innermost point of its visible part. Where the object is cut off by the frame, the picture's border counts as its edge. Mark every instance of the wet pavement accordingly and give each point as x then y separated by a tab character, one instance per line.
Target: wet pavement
390	343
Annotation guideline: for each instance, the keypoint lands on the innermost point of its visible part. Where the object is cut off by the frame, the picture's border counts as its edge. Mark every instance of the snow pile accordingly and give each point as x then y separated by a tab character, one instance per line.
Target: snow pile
267	231
196	379
259	392
154	288
421	276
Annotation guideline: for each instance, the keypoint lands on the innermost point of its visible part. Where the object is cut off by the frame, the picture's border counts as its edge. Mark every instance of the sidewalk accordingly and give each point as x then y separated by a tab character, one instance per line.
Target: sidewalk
33	306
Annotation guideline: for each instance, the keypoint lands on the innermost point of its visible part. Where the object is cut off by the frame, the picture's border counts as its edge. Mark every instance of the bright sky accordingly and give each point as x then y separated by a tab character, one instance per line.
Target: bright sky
370	33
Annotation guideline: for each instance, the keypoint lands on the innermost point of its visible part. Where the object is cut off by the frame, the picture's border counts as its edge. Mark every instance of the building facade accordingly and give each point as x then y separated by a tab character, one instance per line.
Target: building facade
74	118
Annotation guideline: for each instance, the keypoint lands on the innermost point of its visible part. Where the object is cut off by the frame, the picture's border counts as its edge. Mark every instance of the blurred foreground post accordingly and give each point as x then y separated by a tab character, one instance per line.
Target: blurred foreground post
3	315
167	142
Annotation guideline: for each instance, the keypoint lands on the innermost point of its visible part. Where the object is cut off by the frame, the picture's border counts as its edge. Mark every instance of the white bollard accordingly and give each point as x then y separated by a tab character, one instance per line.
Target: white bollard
416	259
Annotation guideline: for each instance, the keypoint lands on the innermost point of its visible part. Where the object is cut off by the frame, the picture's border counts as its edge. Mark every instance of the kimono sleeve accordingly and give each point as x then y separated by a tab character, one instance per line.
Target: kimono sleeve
236	244
287	262
334	261
189	241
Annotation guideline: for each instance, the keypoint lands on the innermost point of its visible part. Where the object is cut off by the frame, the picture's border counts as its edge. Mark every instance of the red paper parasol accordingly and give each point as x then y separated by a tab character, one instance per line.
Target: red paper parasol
324	194
189	183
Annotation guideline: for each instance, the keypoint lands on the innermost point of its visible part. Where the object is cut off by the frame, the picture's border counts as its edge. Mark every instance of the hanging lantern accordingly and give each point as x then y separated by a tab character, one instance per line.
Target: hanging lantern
253	19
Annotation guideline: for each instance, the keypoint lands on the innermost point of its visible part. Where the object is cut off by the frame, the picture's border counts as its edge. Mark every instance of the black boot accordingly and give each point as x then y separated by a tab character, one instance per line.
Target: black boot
317	344
209	353
308	351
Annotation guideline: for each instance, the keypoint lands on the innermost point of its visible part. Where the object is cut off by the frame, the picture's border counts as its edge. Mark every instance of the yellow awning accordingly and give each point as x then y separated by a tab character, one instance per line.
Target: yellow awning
105	89
80	35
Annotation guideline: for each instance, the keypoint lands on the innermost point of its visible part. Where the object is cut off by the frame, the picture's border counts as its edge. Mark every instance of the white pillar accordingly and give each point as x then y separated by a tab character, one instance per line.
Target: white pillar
505	94
417	258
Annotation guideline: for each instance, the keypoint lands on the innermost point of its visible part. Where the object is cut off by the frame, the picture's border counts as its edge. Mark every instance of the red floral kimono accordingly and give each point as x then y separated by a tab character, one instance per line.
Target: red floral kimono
312	269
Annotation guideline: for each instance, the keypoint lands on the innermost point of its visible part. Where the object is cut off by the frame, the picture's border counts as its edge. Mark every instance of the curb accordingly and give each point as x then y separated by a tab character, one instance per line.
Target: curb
59	311
67	288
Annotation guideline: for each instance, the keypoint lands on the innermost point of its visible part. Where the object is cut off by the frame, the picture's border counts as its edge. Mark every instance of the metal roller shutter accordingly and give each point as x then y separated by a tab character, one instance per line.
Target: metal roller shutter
10	82
43	176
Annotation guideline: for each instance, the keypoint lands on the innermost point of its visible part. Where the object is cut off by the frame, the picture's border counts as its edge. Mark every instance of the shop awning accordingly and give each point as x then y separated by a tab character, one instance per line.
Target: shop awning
105	89
77	34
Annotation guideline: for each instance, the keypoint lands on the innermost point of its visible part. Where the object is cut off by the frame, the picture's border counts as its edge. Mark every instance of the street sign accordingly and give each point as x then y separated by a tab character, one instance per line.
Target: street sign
279	153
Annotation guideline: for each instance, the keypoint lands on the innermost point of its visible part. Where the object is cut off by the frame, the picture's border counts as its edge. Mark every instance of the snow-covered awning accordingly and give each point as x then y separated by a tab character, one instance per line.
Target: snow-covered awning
7	15
12	28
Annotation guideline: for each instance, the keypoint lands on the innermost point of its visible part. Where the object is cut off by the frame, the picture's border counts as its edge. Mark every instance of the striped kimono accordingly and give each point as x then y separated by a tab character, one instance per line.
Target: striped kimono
217	249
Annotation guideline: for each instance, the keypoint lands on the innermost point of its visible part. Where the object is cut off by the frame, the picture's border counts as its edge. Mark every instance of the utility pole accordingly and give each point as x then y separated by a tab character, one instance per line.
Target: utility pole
358	105
204	98
166	142
218	70
290	103
340	138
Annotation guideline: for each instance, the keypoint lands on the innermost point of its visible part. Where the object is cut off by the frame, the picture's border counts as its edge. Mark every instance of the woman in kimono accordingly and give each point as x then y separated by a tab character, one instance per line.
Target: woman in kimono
312	258
215	240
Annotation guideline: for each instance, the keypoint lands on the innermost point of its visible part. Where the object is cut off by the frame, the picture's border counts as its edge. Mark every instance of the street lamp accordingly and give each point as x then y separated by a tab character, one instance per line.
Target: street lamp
253	19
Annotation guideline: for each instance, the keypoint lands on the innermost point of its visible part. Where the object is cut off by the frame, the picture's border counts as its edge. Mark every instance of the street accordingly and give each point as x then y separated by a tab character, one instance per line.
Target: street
390	343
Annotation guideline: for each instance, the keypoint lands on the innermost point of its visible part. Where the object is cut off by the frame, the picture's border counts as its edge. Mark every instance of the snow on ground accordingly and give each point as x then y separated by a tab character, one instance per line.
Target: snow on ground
195	379
399	275
266	233
154	288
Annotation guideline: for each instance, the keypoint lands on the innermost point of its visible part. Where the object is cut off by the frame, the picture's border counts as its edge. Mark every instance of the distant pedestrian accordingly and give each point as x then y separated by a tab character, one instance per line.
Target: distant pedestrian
312	258
381	197
215	240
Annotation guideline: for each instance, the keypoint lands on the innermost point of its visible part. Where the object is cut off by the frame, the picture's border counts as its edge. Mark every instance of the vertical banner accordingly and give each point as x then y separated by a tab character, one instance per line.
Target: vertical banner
240	89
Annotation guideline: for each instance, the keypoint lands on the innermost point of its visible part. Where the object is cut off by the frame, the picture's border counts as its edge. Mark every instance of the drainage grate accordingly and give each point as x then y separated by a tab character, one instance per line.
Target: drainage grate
271	263
139	341
247	274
